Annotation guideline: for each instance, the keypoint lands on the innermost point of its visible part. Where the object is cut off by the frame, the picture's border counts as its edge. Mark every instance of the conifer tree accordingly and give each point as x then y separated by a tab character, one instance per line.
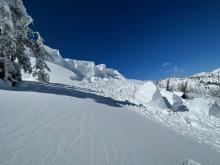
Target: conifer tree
8	66
16	38
40	56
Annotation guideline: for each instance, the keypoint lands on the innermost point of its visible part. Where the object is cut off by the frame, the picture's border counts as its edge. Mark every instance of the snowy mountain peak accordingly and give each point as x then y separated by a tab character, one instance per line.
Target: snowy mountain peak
205	83
216	71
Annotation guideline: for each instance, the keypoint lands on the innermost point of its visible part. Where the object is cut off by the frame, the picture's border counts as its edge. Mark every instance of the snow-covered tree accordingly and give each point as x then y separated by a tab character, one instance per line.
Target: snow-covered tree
40	55
8	65
16	38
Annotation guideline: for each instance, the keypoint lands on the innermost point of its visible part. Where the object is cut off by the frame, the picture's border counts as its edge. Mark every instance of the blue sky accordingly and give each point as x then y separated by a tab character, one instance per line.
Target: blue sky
143	39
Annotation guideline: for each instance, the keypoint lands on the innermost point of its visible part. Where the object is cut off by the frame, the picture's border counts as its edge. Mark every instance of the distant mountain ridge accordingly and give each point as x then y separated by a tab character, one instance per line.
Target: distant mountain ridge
206	83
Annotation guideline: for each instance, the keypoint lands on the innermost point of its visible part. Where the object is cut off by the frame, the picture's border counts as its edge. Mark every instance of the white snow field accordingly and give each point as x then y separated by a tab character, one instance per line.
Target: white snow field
96	121
43	124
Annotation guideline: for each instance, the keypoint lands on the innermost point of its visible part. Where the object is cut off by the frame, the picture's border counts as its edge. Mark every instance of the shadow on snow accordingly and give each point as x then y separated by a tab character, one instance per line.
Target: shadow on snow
65	90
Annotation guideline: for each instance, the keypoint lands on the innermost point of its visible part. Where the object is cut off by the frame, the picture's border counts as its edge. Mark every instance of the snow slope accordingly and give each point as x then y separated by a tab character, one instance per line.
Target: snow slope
199	126
118	88
96	120
43	124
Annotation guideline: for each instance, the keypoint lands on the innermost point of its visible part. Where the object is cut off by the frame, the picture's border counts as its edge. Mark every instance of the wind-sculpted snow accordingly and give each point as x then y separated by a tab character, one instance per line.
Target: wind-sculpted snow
83	69
48	123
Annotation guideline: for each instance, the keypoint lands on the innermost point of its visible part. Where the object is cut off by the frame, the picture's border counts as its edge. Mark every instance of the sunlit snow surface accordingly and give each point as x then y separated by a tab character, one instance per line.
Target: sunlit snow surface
98	121
199	126
43	124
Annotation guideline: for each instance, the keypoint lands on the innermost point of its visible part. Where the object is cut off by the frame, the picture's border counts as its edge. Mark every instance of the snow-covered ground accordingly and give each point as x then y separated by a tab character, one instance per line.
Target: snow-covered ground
199	126
43	124
89	114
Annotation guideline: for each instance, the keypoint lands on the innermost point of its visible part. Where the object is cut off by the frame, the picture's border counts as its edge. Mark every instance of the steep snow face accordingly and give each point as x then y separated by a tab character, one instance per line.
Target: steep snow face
88	70
149	94
83	69
56	57
58	74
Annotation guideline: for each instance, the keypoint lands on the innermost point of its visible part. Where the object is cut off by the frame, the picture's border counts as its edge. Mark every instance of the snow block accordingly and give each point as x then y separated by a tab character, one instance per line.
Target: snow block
206	105
174	102
178	104
214	110
149	94
190	162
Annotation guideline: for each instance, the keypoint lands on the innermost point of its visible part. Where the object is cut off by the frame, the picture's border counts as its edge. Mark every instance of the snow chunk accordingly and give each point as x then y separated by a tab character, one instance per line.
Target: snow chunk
206	105
214	110
190	162
149	94
173	101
